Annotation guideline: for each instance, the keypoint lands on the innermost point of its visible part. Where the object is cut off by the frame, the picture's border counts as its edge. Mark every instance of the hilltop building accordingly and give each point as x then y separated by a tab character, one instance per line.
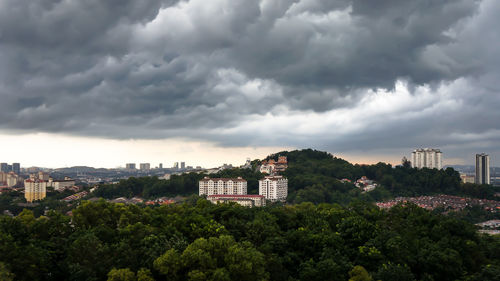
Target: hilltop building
247	165
270	167
34	189
274	188
482	169
222	186
427	158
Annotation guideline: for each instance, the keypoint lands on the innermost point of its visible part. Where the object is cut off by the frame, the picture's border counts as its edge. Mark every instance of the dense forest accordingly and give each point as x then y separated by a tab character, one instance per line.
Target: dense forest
201	241
313	176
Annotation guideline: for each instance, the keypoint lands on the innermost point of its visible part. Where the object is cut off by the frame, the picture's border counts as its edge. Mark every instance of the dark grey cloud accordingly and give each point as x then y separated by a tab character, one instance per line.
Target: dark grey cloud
252	72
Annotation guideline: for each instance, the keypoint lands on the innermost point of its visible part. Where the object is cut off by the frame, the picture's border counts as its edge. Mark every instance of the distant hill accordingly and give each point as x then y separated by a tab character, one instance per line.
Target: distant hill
314	176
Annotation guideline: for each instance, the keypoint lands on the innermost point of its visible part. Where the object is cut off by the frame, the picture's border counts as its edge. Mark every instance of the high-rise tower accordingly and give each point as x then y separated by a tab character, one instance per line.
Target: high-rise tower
482	169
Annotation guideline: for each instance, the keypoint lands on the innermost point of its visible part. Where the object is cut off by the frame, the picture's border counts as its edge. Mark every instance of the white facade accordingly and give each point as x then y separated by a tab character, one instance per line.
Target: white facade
223	186
267	168
12	179
62	184
427	158
274	188
482	169
243	200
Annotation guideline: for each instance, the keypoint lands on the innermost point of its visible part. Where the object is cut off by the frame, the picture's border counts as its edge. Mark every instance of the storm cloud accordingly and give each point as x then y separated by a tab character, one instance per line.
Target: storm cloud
336	75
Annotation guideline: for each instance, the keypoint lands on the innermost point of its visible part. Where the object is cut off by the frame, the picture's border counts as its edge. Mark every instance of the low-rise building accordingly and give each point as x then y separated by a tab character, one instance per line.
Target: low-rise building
467	178
281	165
223	186
244	200
60	185
274	188
75	196
35	189
267	167
365	184
270	167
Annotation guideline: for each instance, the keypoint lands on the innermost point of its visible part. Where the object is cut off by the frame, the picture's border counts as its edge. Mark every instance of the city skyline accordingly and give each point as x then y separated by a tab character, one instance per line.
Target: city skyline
154	81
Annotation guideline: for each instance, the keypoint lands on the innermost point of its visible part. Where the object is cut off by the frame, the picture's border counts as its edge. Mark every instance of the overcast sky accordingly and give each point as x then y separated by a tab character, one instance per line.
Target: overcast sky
104	82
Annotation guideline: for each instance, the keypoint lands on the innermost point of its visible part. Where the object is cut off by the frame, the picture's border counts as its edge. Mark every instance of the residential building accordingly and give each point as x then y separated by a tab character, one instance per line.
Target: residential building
76	196
130	166
12	179
60	185
176	166
183	165
9	179
427	158
34	189
3	178
482	169
267	167
244	200
274	188
145	166
222	186
467	178
16	168
160	166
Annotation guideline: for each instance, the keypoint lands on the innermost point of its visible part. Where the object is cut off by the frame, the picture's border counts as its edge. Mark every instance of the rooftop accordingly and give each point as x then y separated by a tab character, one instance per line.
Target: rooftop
236	196
223	179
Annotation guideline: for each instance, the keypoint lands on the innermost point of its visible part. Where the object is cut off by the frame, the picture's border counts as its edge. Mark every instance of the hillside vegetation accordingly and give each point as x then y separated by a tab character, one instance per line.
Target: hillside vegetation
313	176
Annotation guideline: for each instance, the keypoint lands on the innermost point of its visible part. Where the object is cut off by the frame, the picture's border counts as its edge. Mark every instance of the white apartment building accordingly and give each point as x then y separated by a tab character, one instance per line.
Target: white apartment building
427	158
34	189
60	185
243	200
12	179
223	186
274	188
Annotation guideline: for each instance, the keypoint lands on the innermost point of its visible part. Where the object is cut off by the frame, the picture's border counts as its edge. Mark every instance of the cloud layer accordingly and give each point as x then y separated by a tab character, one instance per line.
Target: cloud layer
337	75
